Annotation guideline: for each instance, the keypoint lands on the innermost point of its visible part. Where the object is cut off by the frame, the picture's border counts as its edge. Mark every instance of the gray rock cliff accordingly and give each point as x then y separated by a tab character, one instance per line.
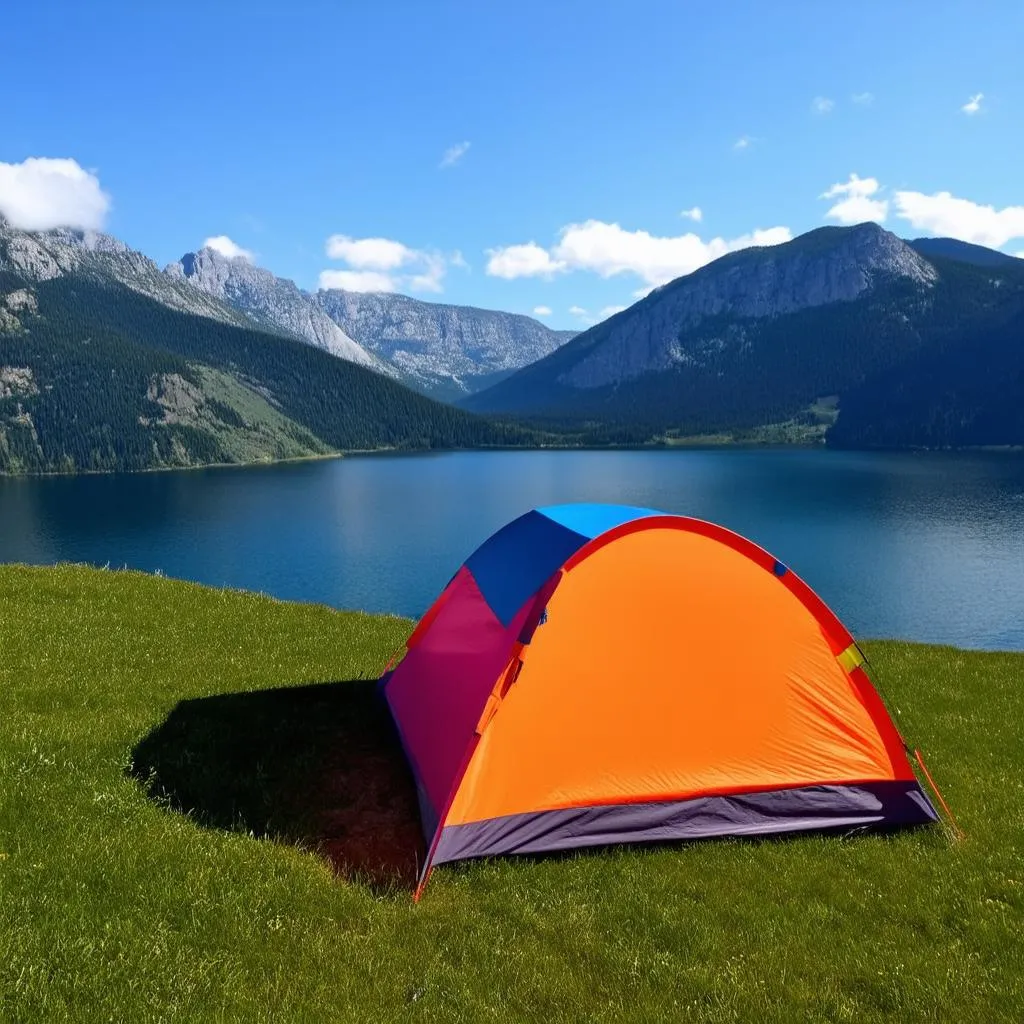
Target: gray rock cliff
269	301
820	267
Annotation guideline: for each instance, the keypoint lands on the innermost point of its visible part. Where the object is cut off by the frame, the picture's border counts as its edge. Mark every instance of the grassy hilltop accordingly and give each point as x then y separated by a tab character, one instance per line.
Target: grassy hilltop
145	769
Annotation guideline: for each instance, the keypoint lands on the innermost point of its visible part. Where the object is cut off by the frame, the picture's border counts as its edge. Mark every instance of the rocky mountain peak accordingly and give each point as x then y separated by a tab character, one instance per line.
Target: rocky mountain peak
447	349
45	255
831	264
90	241
442	349
270	301
218	275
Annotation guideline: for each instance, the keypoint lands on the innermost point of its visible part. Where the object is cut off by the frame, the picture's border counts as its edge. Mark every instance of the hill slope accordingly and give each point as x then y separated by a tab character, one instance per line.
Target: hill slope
964	252
35	256
444	350
757	336
967	390
118	907
96	376
448	350
257	295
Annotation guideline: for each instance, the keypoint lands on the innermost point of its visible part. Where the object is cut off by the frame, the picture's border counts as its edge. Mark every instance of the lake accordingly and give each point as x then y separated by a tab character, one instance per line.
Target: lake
921	546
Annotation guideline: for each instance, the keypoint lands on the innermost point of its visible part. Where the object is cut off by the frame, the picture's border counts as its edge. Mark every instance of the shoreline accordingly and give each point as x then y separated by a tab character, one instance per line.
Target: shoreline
695	444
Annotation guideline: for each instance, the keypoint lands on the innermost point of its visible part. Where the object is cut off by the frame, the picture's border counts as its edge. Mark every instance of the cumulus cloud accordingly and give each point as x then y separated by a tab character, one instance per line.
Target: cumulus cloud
973	105
695	213
761	237
583	315
525	260
609	249
743	142
369	253
385	265
42	193
542	311
453	154
431	273
822	105
226	247
358	280
945	214
856	204
863	99
590	318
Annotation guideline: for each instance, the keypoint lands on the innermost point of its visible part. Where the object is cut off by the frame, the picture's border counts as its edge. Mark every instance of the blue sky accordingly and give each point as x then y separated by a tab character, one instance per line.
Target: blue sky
301	131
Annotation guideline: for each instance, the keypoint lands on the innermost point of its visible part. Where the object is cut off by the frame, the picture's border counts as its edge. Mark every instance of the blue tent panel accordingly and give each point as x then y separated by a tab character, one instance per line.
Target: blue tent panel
516	561
592	520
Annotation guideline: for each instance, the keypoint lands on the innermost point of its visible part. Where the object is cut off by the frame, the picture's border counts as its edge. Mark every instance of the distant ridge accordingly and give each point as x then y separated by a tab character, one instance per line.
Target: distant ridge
964	252
759	336
107	364
441	349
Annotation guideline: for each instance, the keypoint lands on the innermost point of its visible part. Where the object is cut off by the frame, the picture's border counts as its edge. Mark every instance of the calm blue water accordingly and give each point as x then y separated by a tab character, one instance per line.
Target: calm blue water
927	547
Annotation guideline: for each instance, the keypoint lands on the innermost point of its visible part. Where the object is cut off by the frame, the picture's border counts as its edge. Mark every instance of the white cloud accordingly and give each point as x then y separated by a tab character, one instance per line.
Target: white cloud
743	142
863	99
431	274
583	315
760	237
973	105
945	214
542	311
369	253
590	318
855	203
822	105
695	214
358	280
42	193
525	260
941	213
609	249
374	263
226	247
453	154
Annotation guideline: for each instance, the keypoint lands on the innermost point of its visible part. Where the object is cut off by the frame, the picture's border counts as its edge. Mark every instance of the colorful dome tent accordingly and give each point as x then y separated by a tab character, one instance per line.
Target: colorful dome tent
598	674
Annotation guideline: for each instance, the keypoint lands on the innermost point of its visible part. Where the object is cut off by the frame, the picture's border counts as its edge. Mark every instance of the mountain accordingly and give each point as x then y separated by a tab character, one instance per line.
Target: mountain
758	336
448	350
271	301
964	252
47	255
443	350
97	374
967	390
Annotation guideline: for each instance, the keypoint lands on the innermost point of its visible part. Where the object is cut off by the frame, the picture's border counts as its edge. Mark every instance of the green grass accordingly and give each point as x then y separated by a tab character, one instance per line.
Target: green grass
809	428
117	906
259	432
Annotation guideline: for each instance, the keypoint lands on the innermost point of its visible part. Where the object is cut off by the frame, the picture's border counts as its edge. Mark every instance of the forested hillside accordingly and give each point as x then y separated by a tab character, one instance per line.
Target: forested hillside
966	391
94	376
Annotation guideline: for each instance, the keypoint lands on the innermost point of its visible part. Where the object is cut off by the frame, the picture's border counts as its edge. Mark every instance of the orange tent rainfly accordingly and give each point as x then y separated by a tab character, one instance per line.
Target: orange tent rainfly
600	674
